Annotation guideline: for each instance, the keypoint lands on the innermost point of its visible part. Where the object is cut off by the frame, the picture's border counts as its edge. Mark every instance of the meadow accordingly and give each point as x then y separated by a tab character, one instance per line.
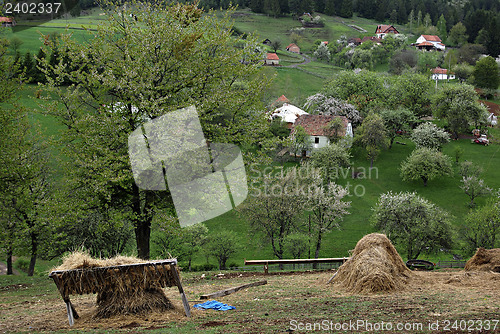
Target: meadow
297	84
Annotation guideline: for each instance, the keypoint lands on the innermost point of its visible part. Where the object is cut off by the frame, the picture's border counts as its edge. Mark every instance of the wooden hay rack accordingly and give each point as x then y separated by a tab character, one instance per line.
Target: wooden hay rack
162	273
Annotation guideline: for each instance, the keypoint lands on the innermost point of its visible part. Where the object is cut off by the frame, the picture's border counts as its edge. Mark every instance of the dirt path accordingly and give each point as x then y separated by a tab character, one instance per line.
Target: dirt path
306	60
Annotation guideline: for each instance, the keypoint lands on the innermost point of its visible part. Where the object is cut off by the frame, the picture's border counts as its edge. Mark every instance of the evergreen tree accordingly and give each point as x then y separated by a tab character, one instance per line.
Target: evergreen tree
441	26
346	9
28	66
39	76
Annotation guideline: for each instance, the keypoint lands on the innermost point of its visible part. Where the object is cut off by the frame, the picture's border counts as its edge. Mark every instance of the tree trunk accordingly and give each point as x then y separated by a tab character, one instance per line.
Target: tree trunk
34	249
10	271
189	265
371	163
142	236
318	246
391	142
425	181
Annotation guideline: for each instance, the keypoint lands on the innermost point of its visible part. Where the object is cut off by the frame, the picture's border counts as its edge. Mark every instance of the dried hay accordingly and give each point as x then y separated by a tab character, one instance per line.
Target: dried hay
375	266
484	260
123	286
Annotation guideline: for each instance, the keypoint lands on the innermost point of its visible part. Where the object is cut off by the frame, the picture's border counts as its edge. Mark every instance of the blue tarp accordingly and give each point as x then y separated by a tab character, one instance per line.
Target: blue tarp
214	305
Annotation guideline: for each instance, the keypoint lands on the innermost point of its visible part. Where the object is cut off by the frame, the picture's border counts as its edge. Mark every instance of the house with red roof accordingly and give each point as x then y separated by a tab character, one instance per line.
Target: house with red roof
430	42
374	39
292	47
7	21
384	29
272	59
439	73
317	128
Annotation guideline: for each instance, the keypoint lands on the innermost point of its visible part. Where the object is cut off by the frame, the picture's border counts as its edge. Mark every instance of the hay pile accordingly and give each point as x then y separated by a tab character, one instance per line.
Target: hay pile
120	290
484	260
375	266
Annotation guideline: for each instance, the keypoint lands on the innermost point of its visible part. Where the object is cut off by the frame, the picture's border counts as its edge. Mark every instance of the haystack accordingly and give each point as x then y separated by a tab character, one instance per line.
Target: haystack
121	287
484	260
375	266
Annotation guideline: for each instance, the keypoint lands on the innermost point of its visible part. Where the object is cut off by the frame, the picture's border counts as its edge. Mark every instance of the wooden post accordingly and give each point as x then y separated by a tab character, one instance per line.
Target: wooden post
72	314
181	290
266	269
232	290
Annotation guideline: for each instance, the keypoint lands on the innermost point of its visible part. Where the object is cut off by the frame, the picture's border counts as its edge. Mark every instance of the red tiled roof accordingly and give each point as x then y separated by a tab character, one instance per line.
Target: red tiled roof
292	45
282	98
315	125
425	44
432	38
370	38
325	42
439	70
6	19
272	56
385	28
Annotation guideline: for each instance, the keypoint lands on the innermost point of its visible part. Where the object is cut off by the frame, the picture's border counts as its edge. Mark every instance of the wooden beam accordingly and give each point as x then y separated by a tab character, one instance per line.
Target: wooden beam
296	261
232	290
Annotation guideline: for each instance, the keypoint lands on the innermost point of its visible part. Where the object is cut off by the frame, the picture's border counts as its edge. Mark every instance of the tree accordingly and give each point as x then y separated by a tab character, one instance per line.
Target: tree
364	89
222	245
372	135
25	189
322	52
413	223
334	130
325	205
474	187
397	122
331	160
194	237
296	244
172	56
487	73
482	227
429	135
470	53
326	105
402	60
28	67
441	26
301	141
274	209
427	20
276	45
458	35
412	91
15	43
426	164
459	106
463	71
469	169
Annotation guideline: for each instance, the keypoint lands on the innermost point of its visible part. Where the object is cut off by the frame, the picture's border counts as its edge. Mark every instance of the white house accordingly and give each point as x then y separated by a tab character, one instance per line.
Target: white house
288	113
492	119
430	42
384	29
272	59
439	73
316	126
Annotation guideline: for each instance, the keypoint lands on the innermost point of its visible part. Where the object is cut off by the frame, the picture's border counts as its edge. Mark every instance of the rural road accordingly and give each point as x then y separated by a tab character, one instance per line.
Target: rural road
305	59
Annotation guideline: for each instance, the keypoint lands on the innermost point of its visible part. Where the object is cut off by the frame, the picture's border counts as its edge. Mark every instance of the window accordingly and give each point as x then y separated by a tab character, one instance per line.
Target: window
316	140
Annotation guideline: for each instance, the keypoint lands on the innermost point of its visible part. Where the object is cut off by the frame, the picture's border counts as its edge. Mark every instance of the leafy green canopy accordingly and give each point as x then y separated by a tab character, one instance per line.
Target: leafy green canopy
145	60
410	221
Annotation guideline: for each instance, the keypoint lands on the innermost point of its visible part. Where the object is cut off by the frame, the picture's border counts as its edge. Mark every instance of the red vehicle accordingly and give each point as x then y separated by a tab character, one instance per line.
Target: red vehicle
483	140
